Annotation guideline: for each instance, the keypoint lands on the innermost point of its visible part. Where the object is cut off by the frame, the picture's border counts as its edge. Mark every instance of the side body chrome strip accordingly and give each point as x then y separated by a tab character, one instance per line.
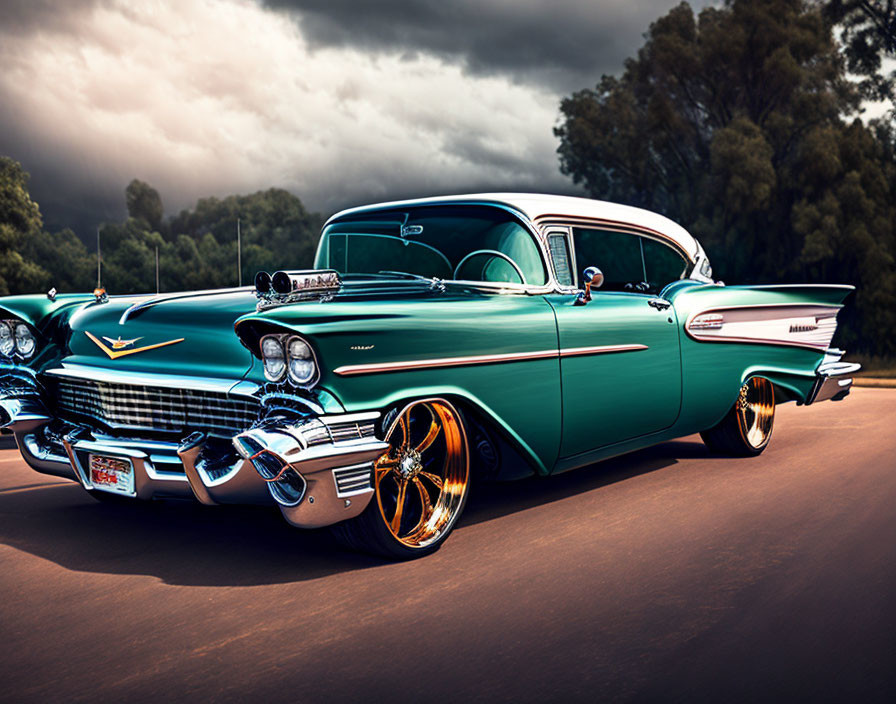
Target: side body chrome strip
356	369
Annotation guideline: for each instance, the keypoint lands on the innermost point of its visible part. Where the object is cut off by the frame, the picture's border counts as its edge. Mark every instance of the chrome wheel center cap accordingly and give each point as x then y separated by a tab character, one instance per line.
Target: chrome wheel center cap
410	464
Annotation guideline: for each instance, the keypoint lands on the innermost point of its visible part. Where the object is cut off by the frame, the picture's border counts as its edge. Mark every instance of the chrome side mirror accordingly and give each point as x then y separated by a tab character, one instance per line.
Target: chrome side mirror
593	278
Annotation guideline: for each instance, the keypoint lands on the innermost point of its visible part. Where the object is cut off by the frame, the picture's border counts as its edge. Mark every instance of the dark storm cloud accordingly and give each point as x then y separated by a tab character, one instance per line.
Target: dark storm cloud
340	101
22	17
563	45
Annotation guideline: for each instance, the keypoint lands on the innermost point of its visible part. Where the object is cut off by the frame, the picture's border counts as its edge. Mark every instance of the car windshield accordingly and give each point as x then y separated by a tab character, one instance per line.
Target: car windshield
463	242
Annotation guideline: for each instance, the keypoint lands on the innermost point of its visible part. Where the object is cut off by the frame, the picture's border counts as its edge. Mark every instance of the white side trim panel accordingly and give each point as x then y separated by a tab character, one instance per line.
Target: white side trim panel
796	325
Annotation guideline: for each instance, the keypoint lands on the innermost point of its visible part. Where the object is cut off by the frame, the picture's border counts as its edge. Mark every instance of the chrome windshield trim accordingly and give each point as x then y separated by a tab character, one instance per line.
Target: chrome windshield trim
551	284
355	369
225	386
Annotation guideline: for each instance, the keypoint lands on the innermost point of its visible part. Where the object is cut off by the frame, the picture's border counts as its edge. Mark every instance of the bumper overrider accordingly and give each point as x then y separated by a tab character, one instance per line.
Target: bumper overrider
833	378
317	468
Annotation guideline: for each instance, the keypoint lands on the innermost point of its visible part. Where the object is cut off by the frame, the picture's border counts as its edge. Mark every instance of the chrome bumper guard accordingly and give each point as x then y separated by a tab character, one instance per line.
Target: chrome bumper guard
20	405
319	471
833	378
159	469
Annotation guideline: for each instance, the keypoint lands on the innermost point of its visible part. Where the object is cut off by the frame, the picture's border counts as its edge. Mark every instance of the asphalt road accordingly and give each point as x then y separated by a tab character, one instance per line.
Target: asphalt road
667	575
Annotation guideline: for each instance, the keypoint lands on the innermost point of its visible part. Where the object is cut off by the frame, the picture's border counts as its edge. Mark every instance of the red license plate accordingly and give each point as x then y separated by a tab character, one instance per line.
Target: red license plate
112	474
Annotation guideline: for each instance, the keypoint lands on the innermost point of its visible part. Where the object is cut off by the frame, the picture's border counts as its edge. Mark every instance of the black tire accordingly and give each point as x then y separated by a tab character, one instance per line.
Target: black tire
746	429
429	456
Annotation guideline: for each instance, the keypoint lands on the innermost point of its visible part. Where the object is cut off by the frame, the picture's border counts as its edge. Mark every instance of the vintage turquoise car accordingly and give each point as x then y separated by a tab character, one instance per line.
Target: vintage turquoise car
494	336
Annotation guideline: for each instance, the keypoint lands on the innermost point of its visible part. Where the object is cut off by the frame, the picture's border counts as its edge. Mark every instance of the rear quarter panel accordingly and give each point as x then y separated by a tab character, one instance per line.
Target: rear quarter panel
712	372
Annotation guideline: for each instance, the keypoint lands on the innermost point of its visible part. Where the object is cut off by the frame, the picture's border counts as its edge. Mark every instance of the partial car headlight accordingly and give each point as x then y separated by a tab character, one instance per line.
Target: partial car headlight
301	366
25	342
7	340
273	358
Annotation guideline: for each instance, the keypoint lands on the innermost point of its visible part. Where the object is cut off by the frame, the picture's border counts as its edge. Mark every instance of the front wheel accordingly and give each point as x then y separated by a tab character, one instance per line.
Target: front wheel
747	428
421	485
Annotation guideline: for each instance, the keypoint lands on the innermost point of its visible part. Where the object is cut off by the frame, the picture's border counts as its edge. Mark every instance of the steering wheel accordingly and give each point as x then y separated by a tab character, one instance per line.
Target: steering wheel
490	253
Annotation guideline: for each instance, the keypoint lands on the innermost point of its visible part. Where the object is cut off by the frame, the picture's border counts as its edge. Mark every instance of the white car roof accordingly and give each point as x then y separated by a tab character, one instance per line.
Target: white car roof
537	206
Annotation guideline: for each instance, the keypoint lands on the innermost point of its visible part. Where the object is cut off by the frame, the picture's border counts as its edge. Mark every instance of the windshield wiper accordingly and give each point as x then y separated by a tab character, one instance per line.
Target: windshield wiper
434	283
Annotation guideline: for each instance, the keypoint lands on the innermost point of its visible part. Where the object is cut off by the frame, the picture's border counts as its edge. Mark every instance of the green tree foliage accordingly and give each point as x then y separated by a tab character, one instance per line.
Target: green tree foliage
20	224
144	204
731	124
868	34
197	248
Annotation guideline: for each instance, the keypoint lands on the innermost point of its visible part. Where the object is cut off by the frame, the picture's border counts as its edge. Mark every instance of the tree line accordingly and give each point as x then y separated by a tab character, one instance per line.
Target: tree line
197	248
741	123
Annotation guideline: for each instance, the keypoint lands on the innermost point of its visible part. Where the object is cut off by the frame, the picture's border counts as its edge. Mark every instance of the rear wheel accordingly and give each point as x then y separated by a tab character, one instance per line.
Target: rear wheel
747	428
421	485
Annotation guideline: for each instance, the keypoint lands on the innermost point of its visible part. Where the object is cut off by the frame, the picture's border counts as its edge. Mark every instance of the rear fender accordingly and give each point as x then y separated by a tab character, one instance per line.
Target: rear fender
780	332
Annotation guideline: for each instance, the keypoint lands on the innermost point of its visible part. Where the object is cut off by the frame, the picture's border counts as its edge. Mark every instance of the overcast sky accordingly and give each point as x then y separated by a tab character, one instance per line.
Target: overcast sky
340	101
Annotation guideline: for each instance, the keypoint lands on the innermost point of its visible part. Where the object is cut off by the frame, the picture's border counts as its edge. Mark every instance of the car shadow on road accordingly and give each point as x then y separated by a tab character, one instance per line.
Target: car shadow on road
185	543
493	500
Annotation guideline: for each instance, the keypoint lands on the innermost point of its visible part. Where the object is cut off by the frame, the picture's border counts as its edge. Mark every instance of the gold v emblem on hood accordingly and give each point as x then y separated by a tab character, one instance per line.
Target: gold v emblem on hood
113	354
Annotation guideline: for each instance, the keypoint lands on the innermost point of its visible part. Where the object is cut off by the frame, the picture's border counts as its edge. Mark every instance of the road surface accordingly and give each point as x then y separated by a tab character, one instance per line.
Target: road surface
667	575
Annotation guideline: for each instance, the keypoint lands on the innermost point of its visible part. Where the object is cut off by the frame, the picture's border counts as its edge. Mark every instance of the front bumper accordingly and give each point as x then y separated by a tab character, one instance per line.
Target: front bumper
317	468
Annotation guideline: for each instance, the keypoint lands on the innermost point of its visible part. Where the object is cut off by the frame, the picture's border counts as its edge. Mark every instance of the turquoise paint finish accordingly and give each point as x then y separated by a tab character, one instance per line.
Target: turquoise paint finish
209	349
522	398
560	413
611	397
713	371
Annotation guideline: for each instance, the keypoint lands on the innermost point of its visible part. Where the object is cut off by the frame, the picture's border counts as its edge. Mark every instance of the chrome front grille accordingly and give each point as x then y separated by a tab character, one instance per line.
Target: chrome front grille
153	408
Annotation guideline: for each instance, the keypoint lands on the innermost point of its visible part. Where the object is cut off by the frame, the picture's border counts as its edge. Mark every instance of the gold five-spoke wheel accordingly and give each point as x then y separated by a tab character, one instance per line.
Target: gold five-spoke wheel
420	484
747	428
756	411
422	481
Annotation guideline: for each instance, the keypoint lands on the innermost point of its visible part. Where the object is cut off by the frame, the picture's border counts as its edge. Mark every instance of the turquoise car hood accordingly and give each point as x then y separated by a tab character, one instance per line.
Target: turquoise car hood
187	334
190	334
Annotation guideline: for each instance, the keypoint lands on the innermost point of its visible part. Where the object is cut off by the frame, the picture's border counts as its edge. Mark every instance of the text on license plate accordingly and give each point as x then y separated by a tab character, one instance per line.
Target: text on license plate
111	474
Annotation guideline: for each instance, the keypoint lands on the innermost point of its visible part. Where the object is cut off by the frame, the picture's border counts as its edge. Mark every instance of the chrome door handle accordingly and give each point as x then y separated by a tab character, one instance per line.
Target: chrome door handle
659	303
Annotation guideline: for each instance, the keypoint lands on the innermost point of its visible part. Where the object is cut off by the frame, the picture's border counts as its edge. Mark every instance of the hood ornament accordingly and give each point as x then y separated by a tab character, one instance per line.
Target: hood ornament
120	344
116	351
286	287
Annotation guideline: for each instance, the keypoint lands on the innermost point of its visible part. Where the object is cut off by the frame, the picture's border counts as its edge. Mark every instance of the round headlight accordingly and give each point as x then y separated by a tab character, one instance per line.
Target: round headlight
301	361
7	341
25	342
272	356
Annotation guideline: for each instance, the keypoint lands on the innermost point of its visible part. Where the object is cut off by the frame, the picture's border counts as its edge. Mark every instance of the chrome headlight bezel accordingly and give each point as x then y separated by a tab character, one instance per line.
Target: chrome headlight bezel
283	342
270	341
9	342
29	335
310	379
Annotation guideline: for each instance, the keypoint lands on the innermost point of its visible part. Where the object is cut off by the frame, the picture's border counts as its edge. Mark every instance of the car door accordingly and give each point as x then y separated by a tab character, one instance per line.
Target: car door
620	360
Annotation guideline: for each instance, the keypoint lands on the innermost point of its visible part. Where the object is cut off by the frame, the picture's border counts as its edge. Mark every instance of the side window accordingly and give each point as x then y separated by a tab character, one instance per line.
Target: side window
664	264
616	254
629	262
